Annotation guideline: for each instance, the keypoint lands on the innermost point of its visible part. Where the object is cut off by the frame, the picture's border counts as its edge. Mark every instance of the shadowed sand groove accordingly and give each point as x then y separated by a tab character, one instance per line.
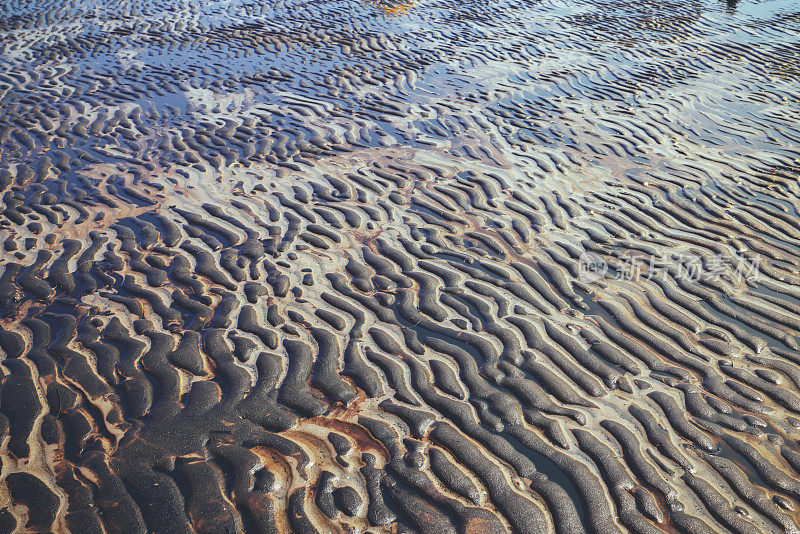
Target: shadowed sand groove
315	266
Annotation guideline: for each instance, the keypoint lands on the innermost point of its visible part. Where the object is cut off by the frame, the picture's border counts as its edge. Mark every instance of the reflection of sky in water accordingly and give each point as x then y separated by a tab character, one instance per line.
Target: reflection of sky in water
758	8
445	35
553	64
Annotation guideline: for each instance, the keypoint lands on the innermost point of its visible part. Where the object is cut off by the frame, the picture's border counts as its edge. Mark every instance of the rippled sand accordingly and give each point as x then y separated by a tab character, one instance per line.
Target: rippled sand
322	266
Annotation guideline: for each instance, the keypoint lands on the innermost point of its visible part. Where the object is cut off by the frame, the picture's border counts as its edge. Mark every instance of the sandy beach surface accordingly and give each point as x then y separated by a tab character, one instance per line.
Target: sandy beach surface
379	266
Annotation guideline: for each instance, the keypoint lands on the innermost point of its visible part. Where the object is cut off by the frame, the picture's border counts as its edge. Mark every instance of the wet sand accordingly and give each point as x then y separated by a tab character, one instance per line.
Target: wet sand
320	266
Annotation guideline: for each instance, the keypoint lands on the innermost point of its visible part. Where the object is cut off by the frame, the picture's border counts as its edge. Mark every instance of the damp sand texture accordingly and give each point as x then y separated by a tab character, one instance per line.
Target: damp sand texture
321	266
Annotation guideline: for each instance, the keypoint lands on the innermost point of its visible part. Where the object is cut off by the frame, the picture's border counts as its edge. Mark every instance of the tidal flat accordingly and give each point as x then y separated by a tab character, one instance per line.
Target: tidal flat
400	266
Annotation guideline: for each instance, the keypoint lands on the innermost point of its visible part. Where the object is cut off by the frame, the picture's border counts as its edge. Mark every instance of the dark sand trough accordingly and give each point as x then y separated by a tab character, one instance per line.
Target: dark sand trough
316	266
